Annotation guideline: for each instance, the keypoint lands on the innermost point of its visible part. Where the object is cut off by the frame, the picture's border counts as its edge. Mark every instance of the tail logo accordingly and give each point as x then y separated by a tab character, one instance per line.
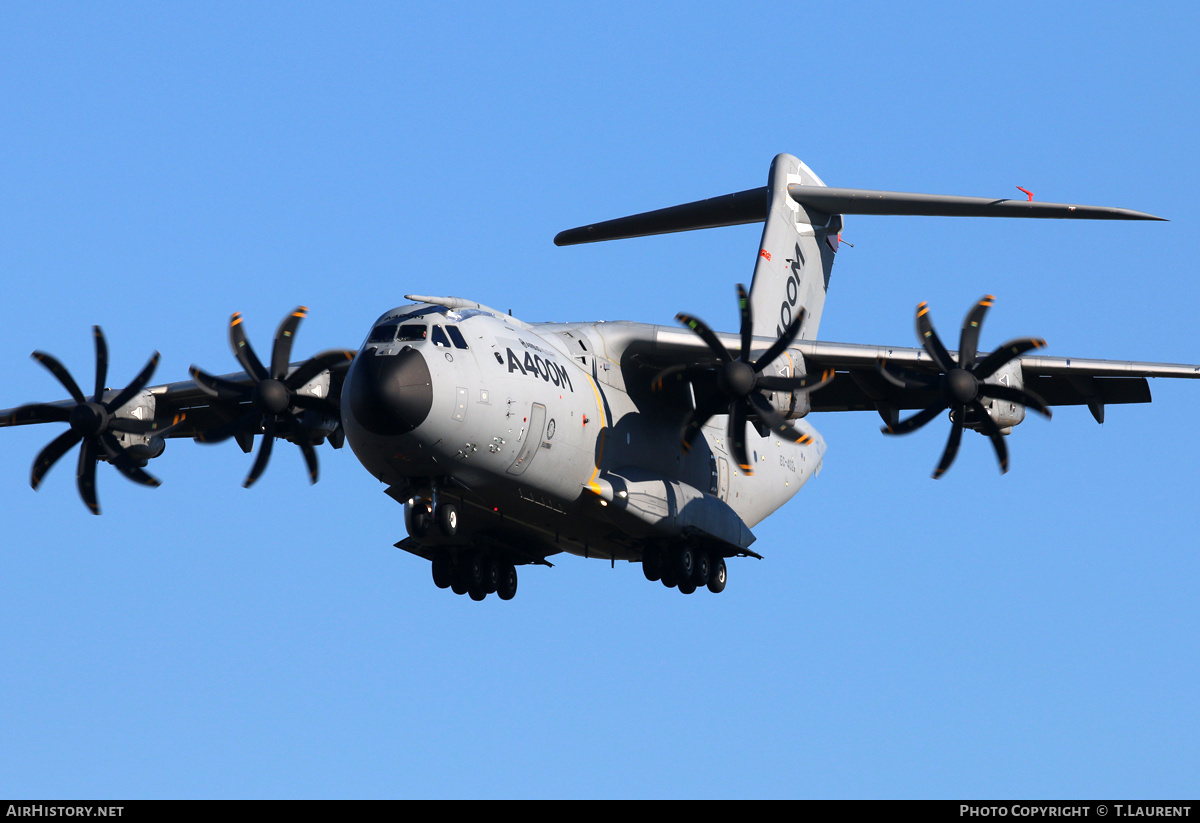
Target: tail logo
792	293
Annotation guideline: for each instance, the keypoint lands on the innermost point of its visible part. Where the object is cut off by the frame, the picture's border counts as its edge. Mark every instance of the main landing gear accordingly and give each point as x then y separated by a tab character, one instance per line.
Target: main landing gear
684	567
475	573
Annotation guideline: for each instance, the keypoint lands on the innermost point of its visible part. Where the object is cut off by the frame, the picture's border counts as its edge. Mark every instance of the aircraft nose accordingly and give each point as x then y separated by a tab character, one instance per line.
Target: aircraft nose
389	395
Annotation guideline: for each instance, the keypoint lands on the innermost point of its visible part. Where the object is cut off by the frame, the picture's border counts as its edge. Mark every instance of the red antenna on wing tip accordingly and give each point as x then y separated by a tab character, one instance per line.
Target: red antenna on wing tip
1027	191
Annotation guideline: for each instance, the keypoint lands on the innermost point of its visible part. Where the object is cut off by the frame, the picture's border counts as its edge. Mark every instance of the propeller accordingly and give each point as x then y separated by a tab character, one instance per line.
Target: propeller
738	384
272	396
92	423
961	383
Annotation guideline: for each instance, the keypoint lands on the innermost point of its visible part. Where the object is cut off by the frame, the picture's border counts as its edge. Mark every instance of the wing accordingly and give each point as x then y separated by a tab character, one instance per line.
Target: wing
1059	381
985	391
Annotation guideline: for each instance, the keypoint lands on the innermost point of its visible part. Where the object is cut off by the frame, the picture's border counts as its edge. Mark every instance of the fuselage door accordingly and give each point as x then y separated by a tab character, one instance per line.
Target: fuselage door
534	428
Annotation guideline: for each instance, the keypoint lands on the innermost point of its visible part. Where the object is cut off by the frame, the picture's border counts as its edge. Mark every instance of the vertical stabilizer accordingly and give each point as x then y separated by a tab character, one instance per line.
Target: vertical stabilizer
795	255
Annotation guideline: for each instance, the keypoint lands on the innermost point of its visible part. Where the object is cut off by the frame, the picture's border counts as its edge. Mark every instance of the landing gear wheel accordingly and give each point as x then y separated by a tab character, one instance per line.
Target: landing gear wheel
471	568
491	575
670	577
687	586
702	570
477	593
716	578
458	583
447	519
418	519
506	586
442	571
685	562
652	563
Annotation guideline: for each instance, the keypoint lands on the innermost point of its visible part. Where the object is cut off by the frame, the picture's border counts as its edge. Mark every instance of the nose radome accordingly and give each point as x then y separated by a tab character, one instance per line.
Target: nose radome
389	395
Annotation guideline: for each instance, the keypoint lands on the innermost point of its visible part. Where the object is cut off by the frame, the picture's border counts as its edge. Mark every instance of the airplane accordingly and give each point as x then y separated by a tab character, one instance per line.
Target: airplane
509	442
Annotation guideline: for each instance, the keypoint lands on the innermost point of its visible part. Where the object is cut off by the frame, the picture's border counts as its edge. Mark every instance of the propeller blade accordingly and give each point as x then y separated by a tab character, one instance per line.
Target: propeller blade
219	387
776	349
50	455
680	372
316	364
715	403
307	401
951	450
130	426
747	323
281	351
101	362
118	456
58	370
133	388
811	382
737	437
776	421
176	422
264	452
1014	395
916	421
706	334
993	432
39	413
968	342
310	457
243	351
1009	351
904	380
930	340
85	476
675	371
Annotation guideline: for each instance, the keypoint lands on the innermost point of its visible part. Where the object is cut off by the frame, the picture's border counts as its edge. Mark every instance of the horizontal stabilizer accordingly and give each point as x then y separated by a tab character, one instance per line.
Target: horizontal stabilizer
865	201
751	206
735	209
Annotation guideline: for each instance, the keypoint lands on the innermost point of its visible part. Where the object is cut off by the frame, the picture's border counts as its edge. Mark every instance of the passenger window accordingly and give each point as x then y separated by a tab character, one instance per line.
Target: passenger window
439	337
383	334
457	337
413	331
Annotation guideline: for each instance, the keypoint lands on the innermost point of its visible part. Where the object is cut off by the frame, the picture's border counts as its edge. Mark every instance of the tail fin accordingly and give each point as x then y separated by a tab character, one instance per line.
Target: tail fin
795	255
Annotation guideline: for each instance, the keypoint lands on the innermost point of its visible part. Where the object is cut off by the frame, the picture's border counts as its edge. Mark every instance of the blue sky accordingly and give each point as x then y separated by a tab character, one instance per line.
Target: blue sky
1032	634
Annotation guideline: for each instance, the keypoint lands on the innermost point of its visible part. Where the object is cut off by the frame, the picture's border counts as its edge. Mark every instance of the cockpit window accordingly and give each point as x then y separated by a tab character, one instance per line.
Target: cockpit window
439	337
412	331
457	336
384	333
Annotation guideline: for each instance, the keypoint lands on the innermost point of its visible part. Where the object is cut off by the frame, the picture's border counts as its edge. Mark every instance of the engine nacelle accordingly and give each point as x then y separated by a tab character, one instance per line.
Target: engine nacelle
1005	413
792	405
142	447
